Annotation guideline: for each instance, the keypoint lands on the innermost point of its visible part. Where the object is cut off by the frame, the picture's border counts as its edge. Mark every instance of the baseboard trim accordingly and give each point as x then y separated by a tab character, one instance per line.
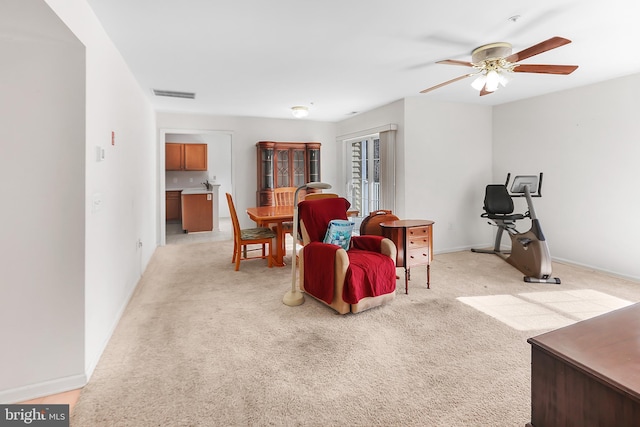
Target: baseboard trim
46	388
93	364
598	269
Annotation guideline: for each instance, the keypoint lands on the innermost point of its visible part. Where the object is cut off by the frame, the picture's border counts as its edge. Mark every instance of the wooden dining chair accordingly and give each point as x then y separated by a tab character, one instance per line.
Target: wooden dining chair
242	237
284	196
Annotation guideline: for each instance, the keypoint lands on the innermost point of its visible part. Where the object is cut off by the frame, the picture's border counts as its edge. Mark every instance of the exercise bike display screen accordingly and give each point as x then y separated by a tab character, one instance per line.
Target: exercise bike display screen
522	181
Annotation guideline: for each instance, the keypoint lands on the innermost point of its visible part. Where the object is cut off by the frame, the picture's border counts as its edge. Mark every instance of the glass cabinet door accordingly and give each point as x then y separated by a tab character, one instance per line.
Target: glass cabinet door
267	168
282	166
314	165
298	167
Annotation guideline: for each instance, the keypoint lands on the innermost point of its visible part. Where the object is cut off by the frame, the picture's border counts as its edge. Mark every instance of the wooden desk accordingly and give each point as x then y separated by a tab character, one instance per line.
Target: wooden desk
265	215
588	374
414	243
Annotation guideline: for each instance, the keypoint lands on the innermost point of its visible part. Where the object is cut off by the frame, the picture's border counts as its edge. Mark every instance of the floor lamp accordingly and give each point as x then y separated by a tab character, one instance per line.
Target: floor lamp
294	296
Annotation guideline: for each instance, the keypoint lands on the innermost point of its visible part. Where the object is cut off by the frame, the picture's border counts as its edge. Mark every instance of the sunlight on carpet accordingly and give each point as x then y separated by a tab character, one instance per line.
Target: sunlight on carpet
545	310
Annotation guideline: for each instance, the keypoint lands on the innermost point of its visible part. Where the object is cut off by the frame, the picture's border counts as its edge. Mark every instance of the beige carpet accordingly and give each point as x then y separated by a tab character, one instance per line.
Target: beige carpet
202	345
533	311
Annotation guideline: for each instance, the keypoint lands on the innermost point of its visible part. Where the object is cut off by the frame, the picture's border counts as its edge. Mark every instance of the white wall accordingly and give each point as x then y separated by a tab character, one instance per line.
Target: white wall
42	170
125	182
585	141
246	132
89	260
447	166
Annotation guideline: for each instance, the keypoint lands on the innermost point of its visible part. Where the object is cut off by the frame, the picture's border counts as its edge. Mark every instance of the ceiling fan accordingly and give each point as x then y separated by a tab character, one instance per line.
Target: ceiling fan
494	63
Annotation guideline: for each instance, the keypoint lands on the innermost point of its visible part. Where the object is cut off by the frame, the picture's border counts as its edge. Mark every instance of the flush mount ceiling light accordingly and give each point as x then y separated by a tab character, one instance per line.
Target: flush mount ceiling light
299	111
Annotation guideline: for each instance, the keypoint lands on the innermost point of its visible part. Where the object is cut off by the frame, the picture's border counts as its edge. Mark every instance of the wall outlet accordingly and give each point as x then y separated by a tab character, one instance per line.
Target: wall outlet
96	202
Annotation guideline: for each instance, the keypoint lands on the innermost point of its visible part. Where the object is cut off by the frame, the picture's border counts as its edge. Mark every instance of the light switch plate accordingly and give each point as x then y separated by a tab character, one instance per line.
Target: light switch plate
99	153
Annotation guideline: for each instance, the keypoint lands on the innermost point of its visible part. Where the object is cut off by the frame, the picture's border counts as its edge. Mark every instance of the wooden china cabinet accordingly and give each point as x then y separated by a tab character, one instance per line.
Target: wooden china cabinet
285	164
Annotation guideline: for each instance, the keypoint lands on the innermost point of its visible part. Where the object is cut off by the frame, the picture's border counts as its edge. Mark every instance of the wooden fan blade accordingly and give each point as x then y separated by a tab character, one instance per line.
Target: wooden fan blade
455	62
545	69
544	46
484	91
446	83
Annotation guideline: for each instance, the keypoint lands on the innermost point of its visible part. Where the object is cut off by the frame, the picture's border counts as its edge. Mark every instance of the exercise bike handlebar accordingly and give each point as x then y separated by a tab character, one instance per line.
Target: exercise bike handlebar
537	194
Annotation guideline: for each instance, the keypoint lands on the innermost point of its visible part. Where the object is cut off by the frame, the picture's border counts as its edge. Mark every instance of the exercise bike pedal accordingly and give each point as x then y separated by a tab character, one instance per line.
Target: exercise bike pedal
555	280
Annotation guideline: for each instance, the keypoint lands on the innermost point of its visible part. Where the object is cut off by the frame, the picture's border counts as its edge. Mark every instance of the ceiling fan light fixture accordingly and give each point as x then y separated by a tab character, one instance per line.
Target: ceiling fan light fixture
299	111
495	62
504	78
493	80
479	82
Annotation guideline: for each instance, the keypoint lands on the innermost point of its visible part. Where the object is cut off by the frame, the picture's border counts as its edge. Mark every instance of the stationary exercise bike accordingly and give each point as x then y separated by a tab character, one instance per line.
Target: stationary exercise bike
529	251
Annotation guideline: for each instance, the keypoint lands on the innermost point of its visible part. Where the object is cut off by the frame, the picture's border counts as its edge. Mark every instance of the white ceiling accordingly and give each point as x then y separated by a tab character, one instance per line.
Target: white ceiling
340	57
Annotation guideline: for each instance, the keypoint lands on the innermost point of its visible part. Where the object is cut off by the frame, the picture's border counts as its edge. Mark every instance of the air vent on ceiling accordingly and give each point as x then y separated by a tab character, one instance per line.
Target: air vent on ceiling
174	94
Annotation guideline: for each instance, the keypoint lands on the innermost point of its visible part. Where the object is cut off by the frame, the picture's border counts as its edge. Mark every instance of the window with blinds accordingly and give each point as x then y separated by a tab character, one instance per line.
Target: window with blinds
364	176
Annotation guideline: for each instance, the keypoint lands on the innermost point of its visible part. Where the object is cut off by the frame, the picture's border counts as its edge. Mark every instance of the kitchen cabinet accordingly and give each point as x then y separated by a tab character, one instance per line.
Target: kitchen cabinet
285	164
173	206
174	157
197	212
185	157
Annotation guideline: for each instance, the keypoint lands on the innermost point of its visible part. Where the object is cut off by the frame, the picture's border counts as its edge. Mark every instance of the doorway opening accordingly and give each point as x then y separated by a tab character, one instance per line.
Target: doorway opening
219	173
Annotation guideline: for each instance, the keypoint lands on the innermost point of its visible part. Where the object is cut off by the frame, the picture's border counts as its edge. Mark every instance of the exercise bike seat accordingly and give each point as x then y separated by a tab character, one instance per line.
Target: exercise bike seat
498	204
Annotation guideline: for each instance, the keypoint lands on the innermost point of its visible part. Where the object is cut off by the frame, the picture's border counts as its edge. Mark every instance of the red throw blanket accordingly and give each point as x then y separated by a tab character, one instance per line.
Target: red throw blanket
319	262
367	242
370	274
316	215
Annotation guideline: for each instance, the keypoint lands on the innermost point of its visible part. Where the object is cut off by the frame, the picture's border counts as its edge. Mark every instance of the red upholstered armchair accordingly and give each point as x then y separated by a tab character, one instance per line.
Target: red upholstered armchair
353	280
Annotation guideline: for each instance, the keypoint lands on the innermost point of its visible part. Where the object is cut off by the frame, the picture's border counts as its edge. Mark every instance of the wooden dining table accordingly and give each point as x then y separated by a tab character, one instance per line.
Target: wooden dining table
264	216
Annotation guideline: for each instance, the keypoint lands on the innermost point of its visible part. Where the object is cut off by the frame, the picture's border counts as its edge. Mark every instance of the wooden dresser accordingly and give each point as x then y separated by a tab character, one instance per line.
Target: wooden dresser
414	242
588	374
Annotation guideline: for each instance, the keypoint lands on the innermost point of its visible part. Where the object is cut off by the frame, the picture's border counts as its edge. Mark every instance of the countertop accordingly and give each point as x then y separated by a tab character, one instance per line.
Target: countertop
193	190
196	191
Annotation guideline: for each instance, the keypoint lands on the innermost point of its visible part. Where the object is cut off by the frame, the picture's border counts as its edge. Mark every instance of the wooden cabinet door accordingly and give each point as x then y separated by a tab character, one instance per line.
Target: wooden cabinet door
173	206
197	212
298	166
195	157
283	167
174	156
313	163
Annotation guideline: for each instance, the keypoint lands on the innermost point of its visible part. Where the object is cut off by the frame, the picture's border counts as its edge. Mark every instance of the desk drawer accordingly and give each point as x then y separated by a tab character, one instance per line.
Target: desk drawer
417	237
418	256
